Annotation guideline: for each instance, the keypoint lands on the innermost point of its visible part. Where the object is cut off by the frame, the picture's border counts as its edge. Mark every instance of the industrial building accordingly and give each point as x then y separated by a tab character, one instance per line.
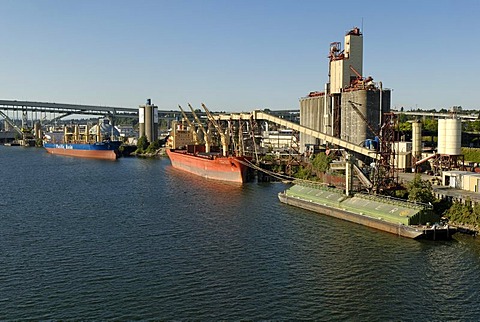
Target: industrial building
351	106
465	180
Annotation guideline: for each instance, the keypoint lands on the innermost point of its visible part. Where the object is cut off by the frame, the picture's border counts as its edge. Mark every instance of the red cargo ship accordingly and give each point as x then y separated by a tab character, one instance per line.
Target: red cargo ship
198	158
211	165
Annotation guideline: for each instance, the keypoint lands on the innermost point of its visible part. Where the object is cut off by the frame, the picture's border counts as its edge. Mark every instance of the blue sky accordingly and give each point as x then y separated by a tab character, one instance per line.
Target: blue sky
233	55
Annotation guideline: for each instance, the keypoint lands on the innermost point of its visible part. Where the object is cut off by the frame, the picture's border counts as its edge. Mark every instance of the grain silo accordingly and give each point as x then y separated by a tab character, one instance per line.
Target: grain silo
417	139
141	120
453	137
360	111
351	107
311	109
148	121
441	136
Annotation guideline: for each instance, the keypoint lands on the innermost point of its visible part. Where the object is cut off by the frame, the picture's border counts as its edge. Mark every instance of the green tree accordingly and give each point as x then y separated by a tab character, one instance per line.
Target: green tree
473	126
321	162
303	172
457	109
153	147
460	213
430	125
471	154
405	126
420	190
142	144
402	118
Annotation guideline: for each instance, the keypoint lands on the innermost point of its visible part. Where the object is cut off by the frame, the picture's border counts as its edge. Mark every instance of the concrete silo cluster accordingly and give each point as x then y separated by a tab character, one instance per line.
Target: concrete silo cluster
351	106
148	121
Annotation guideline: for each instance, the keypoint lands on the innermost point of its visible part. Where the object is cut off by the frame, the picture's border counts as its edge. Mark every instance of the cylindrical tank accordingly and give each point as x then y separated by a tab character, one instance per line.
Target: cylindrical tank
441	136
148	122
141	121
155	123
357	105
416	138
453	137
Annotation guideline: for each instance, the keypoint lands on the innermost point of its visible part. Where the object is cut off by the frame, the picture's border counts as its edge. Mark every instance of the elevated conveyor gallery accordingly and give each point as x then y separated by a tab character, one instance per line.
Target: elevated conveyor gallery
258	115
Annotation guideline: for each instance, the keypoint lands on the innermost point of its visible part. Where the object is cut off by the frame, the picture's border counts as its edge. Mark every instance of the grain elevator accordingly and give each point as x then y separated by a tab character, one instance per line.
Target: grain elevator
351	106
148	121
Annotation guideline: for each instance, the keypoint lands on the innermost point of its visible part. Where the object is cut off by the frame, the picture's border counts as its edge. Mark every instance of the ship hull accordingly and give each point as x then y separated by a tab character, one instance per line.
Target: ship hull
232	169
104	151
408	231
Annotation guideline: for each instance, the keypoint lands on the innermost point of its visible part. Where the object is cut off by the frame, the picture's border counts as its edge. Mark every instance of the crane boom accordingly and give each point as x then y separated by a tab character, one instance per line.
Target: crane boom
225	139
206	135
196	139
356	72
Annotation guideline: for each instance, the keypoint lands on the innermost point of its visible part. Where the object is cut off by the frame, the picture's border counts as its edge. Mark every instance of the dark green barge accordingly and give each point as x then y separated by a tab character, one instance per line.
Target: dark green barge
395	216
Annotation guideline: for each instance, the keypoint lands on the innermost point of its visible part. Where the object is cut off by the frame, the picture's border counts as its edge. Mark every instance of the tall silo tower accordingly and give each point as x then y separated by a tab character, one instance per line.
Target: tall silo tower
449	149
351	104
453	137
441	139
141	120
347	64
148	121
417	139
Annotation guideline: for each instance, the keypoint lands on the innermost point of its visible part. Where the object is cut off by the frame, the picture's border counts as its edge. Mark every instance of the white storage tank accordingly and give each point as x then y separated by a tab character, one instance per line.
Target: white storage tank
453	137
416	138
441	136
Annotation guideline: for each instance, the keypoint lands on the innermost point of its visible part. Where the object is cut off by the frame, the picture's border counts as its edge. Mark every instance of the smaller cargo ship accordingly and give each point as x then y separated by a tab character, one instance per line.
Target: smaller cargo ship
394	216
107	150
76	143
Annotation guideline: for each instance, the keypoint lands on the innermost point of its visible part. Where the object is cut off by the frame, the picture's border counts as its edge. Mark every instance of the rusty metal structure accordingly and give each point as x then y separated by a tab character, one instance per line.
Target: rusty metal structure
387	176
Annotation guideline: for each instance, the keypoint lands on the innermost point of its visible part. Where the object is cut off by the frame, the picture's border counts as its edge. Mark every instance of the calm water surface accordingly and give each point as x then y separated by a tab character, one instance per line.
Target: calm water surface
137	239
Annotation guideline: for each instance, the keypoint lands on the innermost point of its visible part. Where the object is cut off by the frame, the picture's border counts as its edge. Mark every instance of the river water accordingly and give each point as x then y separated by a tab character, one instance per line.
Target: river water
136	239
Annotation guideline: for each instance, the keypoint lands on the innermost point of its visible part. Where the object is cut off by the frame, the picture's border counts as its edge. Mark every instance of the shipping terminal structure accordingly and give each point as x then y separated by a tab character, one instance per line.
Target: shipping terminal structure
352	119
354	112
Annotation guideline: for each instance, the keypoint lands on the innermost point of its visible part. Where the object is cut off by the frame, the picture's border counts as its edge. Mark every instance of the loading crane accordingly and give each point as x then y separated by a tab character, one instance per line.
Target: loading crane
224	138
11	123
196	138
206	135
